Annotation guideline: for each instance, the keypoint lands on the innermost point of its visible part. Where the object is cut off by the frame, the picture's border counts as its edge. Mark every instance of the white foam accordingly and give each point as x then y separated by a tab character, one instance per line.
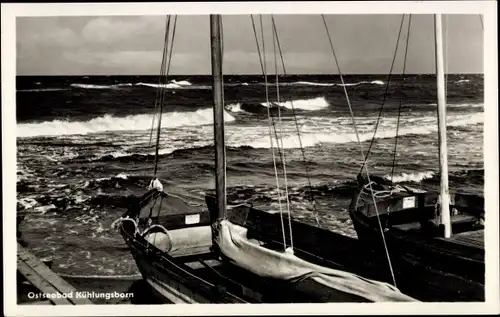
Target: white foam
91	86
304	104
115	154
168	86
426	125
464	120
44	209
181	83
460	105
27	202
41	89
307	83
112	123
373	82
234	107
466	105
412	177
122	176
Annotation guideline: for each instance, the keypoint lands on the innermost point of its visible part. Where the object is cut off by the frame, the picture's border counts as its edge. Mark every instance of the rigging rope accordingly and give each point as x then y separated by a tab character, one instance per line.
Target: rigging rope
445	55
283	159
400	100
162	91
360	147
311	196
263	67
386	93
273	123
162	96
160	77
158	129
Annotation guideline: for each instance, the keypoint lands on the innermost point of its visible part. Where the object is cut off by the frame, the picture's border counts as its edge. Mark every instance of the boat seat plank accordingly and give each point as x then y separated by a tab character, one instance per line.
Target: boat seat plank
408	226
200	263
248	292
416	225
456	219
193	250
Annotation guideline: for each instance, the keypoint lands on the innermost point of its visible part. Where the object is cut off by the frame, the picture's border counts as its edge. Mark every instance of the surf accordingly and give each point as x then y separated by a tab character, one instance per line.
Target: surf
302	104
423	126
112	123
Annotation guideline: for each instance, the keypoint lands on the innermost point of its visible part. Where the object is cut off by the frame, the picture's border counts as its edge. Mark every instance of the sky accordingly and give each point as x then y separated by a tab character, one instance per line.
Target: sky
132	45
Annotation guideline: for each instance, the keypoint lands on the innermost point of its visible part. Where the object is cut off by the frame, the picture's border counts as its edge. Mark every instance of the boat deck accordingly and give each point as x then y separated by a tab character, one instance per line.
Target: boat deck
471	238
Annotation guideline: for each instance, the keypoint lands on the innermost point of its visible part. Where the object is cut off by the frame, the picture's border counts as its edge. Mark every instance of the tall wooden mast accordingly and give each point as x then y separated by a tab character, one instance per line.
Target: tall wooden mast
217	86
443	154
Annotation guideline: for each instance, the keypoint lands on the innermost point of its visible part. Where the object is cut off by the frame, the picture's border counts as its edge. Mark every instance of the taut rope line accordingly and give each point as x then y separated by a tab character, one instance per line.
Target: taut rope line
360	148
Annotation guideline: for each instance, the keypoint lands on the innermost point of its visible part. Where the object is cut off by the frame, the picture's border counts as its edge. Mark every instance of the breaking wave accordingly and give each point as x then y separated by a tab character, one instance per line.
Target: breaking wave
91	86
262	108
168	86
181	83
112	123
307	83
41	90
173	84
314	139
304	104
235	107
456	105
410	177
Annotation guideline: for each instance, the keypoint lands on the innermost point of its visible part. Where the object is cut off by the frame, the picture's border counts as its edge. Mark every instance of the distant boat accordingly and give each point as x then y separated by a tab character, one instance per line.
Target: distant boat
427	246
227	254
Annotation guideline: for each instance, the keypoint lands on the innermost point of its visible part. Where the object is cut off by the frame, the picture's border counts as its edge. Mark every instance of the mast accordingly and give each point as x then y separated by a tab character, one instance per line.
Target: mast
220	150
443	155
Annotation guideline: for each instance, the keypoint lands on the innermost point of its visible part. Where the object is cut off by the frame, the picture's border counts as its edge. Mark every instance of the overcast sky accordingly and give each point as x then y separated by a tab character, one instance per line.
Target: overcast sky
123	45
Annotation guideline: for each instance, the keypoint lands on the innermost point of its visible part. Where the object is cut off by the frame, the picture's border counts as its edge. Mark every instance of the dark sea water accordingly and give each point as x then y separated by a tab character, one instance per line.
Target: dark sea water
84	146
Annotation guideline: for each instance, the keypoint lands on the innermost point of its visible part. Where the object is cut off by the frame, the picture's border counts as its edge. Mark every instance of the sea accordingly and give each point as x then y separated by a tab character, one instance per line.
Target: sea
86	147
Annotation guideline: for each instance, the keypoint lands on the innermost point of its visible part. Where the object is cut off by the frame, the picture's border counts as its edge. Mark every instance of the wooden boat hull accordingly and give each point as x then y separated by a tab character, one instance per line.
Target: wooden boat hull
415	276
169	261
444	269
164	287
170	280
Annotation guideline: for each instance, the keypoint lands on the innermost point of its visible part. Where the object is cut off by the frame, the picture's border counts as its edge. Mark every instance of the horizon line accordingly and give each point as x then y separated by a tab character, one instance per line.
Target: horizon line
270	74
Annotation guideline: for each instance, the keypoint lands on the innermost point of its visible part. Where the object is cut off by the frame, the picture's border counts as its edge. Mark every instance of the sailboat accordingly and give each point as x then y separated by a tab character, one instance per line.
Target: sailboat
435	240
229	254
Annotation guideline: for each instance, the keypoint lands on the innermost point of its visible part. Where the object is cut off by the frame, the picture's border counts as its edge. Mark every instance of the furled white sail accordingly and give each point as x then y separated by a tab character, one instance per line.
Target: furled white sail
250	255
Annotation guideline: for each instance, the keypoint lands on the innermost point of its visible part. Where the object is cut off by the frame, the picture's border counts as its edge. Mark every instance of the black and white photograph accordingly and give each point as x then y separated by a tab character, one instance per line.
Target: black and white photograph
320	154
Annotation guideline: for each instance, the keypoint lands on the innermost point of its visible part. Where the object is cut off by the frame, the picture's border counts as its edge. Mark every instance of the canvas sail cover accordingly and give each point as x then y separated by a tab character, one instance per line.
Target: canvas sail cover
168	210
249	255
159	203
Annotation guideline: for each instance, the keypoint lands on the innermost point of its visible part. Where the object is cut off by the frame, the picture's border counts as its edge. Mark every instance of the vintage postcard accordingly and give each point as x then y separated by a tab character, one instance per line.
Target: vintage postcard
304	157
